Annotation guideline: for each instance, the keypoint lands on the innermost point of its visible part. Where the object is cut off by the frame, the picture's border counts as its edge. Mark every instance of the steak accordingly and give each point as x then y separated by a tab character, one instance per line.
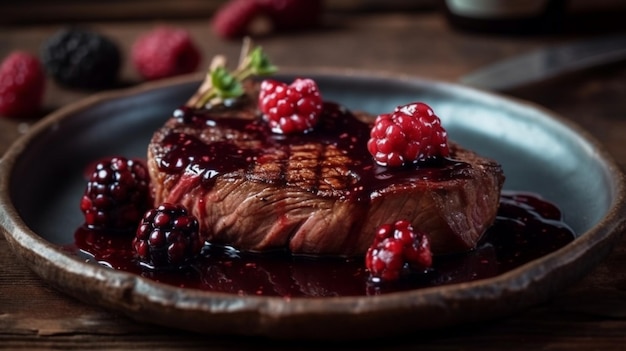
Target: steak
318	193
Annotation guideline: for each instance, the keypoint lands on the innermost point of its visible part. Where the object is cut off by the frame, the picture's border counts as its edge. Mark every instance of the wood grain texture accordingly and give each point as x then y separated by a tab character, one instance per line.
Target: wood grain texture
591	315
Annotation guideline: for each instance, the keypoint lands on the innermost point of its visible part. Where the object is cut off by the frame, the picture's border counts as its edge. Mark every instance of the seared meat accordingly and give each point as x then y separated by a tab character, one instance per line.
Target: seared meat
319	193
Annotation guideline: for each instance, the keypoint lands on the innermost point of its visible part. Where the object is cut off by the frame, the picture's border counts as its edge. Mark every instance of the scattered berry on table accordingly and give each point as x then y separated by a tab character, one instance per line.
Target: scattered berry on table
409	134
290	108
395	247
82	59
237	18
165	52
167	237
117	194
22	85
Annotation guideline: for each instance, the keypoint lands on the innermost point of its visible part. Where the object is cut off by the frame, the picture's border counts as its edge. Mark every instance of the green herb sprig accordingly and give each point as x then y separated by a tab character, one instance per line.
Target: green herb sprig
220	84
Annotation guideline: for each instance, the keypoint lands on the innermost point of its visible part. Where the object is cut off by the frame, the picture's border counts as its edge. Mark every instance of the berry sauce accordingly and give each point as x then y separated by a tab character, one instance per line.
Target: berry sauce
527	227
191	152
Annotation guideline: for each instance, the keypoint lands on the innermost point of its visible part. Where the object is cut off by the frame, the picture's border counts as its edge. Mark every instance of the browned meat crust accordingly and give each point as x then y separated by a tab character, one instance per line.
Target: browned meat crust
314	195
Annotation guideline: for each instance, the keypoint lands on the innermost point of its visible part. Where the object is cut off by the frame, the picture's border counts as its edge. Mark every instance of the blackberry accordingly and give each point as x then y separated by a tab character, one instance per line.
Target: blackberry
167	237
117	194
81	59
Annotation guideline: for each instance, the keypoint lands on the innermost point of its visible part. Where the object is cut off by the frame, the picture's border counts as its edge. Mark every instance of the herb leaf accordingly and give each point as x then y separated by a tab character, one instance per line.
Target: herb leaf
225	84
220	84
260	63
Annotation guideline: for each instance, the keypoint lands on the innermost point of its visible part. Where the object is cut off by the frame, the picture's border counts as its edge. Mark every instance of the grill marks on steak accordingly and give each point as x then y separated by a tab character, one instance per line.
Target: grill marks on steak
319	193
316	168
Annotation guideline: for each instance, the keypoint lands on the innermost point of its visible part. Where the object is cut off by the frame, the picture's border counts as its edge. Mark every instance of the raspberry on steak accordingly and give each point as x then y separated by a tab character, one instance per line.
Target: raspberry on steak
293	108
167	237
409	134
22	85
395	247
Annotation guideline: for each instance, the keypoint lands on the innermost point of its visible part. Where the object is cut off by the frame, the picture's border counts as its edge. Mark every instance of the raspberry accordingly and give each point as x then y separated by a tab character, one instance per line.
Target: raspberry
165	52
167	237
395	247
290	108
117	194
411	133
81	59
237	18
22	85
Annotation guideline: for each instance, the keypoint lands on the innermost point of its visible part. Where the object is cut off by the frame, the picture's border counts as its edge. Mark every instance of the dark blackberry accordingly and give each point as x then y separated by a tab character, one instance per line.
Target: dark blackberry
117	194
81	59
167	237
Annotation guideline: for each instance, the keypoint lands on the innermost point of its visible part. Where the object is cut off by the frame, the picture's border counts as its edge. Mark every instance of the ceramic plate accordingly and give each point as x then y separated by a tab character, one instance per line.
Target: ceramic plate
41	181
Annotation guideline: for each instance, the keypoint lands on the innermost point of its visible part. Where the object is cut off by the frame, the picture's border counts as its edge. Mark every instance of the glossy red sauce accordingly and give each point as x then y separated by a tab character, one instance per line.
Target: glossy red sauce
337	126
527	227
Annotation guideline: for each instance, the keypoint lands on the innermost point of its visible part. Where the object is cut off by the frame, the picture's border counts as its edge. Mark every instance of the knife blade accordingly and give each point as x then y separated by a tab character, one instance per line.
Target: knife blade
548	62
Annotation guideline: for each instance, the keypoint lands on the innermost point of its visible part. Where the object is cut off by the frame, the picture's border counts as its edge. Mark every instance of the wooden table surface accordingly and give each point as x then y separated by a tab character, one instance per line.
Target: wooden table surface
590	315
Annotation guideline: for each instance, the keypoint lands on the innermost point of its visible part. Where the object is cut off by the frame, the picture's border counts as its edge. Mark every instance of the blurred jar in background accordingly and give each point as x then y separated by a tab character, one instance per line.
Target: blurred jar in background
509	16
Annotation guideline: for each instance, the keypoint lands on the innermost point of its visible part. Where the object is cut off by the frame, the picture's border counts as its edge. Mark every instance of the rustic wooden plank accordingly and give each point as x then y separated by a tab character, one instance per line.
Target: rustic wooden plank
37	11
589	315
